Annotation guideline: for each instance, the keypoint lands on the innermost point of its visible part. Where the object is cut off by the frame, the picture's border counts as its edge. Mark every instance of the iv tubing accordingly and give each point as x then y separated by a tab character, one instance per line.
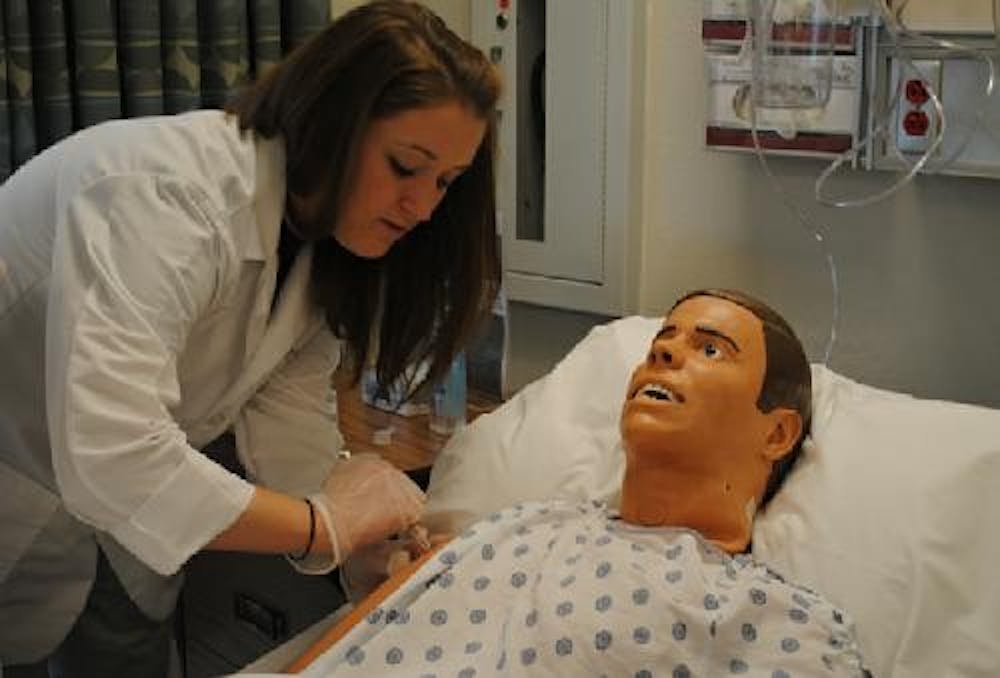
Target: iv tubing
804	219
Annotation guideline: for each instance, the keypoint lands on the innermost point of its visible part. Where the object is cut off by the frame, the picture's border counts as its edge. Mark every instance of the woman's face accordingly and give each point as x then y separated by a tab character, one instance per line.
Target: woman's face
406	163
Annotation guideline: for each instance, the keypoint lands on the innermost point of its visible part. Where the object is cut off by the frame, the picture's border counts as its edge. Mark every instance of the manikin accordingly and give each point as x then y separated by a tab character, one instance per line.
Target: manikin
712	420
699	447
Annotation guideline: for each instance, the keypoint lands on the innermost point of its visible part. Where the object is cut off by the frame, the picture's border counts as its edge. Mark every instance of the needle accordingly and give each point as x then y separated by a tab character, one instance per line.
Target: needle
418	533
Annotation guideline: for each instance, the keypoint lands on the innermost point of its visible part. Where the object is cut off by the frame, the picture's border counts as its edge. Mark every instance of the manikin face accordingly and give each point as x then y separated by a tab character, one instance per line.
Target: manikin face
406	163
691	406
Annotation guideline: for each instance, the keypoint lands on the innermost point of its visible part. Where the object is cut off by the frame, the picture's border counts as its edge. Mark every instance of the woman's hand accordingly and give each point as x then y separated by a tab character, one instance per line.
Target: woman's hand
365	500
367	568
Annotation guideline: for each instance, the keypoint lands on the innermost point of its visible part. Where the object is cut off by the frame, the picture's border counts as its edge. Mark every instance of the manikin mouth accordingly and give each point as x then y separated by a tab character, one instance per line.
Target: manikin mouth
658	392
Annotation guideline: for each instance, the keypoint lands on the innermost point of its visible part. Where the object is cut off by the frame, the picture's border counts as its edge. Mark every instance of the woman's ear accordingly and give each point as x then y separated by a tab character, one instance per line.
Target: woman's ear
785	429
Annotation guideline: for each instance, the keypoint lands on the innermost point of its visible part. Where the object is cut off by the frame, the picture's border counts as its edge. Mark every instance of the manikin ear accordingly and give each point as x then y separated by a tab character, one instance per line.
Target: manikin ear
785	428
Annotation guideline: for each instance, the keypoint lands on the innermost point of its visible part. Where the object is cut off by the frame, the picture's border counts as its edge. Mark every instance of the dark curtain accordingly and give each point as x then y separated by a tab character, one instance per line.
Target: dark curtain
67	64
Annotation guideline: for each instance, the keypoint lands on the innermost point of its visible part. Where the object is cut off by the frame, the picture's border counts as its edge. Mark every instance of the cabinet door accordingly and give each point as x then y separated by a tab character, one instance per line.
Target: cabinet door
236	606
571	243
567	131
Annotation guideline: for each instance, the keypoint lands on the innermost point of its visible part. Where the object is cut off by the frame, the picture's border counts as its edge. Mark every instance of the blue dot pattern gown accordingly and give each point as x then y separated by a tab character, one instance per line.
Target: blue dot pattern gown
569	590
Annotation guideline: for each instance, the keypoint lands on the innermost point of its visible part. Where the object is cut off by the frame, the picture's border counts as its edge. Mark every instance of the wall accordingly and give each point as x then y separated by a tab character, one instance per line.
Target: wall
454	12
954	15
919	292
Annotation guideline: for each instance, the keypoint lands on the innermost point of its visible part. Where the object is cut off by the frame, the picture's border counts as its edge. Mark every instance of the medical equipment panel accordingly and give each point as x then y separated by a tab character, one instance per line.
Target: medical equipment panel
905	76
831	129
809	80
913	87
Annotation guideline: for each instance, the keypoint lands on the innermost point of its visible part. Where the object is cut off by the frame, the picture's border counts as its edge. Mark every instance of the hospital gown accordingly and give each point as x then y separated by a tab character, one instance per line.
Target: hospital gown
568	589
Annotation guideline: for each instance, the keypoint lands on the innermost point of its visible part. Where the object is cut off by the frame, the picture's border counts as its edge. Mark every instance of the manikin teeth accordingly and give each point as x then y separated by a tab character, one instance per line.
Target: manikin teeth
658	392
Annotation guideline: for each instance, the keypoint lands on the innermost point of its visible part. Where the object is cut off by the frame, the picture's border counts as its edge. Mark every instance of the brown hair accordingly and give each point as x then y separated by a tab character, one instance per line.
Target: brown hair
787	377
429	292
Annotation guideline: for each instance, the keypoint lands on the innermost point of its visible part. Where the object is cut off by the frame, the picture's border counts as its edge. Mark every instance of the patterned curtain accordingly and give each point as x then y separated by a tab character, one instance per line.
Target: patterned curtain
67	64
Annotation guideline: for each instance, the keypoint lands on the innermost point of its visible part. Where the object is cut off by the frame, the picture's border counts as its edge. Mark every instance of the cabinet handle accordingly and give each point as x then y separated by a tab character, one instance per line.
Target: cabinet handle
272	623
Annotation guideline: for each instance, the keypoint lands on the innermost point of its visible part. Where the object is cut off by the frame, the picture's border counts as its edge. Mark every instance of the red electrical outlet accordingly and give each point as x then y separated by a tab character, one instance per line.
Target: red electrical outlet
916	123
916	92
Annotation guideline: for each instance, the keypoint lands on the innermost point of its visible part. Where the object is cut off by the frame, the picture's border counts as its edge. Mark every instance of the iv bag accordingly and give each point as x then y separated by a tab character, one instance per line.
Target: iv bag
793	48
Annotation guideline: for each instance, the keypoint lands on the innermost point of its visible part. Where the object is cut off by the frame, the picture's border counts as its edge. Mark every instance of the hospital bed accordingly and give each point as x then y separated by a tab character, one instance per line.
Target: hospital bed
891	512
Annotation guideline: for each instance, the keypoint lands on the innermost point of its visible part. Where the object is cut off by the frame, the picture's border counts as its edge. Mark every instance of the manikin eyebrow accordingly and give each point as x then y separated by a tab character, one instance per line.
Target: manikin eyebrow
712	332
702	329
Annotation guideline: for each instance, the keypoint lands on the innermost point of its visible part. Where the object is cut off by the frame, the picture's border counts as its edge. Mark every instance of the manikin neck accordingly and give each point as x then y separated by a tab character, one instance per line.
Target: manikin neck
659	493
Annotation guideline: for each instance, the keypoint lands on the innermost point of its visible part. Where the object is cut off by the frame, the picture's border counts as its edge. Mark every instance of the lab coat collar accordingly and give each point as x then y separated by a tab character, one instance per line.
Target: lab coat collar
294	320
272	333
269	197
295	315
294	311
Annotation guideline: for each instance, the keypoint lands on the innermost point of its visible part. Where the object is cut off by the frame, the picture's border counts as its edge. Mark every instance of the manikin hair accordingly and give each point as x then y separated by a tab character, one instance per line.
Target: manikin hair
787	377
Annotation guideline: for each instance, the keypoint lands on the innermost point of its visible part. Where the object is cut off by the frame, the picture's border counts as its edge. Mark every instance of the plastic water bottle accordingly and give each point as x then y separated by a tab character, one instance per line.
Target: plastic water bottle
449	400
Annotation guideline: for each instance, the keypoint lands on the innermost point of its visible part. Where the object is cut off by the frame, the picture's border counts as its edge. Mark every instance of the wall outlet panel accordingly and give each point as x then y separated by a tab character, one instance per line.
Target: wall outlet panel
916	117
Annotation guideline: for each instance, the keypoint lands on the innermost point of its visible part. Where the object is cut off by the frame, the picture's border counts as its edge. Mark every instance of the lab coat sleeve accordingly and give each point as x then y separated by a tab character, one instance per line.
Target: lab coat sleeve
287	434
136	260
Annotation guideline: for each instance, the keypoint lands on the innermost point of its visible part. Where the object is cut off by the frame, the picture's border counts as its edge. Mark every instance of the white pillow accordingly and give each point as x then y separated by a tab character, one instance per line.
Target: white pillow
556	438
891	512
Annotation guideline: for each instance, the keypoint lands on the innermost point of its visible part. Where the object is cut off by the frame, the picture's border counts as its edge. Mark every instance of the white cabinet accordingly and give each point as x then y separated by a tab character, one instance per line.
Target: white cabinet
569	174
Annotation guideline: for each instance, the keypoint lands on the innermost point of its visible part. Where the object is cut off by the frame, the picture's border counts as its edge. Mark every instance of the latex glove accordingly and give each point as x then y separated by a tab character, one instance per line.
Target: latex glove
364	500
366	568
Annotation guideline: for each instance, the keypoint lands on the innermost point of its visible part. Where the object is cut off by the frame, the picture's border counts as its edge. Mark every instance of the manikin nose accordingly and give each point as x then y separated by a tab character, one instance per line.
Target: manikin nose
662	355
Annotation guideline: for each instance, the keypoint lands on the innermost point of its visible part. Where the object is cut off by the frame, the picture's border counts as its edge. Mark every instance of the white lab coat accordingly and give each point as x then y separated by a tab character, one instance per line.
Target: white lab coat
137	269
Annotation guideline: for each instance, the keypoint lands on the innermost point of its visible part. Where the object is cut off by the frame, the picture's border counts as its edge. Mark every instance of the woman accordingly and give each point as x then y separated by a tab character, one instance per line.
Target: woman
165	280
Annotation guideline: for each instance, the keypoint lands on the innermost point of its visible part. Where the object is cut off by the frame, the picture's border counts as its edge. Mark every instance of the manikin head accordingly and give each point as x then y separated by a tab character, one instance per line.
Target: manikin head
714	417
